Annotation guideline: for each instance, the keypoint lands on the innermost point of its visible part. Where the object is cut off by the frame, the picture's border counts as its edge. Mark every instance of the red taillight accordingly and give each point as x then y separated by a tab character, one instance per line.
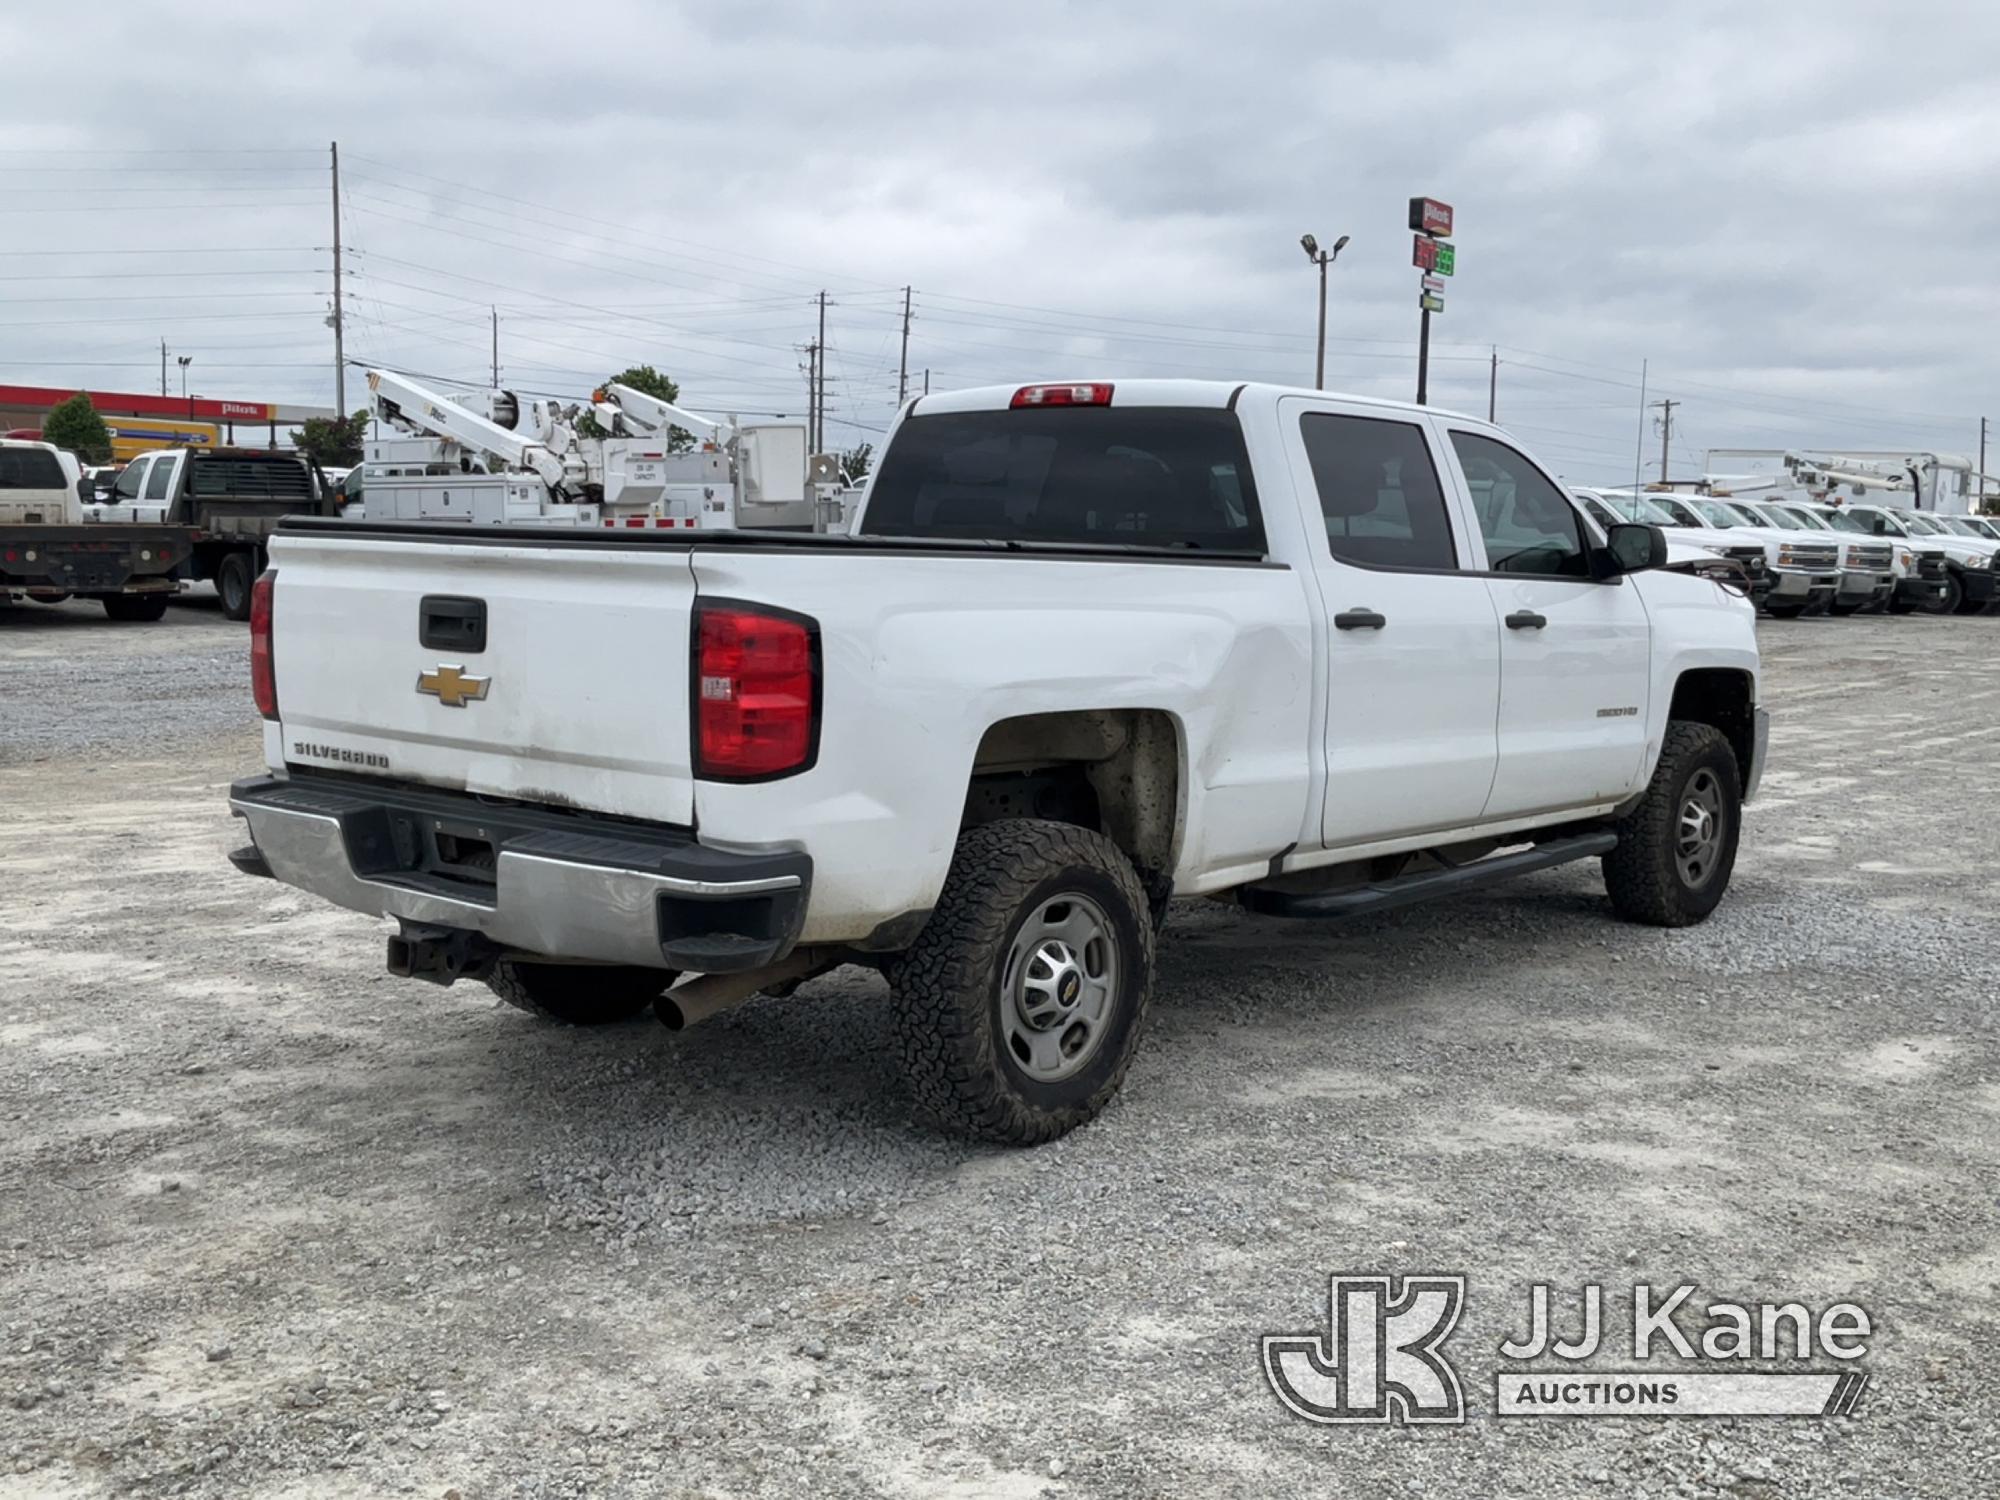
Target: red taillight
263	668
756	692
1062	395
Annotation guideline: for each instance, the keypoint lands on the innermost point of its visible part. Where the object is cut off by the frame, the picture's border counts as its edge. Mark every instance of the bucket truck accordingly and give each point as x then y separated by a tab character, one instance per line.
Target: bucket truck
452	463
770	478
488	458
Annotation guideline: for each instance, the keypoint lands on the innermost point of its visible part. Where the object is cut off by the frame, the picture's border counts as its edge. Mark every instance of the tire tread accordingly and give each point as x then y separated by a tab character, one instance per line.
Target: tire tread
941	981
1639	874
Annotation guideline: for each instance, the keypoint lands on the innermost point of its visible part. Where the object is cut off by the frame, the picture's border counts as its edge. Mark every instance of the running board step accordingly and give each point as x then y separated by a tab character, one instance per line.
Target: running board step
1408	890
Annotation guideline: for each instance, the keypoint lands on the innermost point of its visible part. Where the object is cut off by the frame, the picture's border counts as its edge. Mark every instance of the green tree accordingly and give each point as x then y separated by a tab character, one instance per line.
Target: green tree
650	381
75	425
334	440
855	461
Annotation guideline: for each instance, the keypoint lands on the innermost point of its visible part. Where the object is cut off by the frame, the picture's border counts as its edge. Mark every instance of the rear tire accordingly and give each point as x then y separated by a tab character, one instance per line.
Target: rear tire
1020	1004
1966	605
233	581
1677	848
135	606
577	994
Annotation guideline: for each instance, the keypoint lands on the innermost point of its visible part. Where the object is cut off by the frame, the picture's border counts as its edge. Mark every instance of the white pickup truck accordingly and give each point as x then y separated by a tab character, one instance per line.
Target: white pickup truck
1087	647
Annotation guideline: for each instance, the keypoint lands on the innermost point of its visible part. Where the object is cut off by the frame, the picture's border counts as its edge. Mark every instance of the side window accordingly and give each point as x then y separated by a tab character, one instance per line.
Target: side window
156	487
1528	526
1378	491
129	479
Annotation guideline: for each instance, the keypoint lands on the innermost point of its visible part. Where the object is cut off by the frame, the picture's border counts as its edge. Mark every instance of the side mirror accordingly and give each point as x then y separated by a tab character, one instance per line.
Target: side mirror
1631	548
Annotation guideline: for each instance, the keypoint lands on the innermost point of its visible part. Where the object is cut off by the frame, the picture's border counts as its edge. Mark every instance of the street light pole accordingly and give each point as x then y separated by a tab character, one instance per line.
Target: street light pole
1322	259
185	360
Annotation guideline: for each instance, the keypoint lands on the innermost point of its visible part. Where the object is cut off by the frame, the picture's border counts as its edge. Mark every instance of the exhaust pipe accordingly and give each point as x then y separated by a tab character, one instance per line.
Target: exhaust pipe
695	1000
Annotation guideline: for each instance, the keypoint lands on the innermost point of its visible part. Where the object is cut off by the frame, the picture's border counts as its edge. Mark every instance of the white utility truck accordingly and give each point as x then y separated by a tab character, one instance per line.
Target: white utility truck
1942	482
1087	647
1867	566
225	501
625	459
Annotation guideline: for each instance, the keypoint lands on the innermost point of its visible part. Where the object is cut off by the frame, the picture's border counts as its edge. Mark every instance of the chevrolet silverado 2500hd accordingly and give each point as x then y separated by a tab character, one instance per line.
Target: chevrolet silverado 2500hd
1087	647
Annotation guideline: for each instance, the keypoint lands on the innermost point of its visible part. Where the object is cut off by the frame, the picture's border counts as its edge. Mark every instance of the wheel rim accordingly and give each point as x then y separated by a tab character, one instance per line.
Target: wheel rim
1059	987
1698	837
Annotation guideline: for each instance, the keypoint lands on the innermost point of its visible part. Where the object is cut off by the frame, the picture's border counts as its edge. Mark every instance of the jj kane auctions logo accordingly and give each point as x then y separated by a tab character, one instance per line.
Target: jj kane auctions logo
1381	1358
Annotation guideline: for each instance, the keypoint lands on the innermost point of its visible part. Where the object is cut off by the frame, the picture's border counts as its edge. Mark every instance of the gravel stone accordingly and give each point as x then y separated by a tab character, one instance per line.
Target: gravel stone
475	1252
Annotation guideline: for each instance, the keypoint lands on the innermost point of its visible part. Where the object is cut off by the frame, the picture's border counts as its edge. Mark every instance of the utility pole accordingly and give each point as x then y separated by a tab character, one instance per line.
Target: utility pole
1666	432
819	425
1493	385
163	367
339	355
496	348
1639	444
812	397
903	367
1979	499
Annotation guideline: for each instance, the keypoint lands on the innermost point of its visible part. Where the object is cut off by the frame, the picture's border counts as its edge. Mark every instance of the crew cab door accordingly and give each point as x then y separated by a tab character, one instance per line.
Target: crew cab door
1411	641
1575	651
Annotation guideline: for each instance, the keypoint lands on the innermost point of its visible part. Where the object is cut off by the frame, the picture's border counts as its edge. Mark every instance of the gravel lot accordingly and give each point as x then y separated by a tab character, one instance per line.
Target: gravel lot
273	1223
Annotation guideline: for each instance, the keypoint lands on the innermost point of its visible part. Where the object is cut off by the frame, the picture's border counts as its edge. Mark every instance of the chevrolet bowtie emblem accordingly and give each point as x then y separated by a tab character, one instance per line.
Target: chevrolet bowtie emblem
451	687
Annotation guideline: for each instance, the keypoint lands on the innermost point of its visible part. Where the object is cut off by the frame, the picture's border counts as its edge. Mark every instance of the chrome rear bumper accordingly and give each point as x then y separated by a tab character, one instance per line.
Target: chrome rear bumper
535	881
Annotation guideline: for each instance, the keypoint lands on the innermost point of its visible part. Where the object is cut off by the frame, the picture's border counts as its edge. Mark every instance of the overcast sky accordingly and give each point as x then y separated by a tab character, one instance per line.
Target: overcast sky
1785	209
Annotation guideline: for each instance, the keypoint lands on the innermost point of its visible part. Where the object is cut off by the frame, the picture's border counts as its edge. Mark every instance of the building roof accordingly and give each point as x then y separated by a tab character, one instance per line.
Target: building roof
194	408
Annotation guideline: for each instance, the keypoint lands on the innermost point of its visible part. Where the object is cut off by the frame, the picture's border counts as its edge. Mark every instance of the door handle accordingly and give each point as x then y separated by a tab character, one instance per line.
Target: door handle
1358	619
1526	619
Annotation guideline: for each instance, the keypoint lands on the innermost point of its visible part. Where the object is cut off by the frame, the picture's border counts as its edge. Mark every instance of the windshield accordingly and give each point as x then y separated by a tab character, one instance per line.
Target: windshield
1878	522
1678	512
1961	527
1148	476
1980	526
1718	514
1641	508
1598	511
1920	526
1812	520
1779	517
1846	520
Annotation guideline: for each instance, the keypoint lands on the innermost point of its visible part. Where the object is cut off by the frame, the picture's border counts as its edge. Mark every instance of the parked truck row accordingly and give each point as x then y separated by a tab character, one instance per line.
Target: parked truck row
1804	557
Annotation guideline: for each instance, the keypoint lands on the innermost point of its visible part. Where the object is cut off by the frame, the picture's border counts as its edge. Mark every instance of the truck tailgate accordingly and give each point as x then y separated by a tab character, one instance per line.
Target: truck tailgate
578	696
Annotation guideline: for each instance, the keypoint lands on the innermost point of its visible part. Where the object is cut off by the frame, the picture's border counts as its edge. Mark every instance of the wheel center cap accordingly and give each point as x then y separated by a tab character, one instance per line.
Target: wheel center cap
1070	988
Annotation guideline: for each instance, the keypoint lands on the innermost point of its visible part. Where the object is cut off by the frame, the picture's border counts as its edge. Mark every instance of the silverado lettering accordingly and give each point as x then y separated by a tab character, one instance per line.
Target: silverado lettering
369	758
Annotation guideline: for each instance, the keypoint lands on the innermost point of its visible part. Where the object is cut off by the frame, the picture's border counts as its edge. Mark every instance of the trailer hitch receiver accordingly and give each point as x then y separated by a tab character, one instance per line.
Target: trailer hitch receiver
441	955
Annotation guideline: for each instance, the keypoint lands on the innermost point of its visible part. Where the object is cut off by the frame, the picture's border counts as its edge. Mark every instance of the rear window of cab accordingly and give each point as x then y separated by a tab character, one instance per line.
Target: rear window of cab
1175	477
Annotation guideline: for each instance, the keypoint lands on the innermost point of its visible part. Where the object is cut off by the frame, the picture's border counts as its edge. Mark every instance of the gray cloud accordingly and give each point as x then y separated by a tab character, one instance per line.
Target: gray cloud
1781	208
